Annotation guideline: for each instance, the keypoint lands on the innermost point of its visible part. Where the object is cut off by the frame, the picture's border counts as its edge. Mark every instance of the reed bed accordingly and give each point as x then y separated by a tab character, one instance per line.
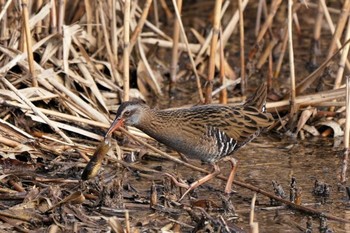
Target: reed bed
65	66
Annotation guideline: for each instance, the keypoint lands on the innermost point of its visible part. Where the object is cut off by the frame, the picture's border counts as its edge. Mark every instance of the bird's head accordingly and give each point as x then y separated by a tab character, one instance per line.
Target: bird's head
129	113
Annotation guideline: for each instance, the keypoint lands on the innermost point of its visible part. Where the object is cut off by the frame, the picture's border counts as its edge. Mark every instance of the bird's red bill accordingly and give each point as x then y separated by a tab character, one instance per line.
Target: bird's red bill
115	125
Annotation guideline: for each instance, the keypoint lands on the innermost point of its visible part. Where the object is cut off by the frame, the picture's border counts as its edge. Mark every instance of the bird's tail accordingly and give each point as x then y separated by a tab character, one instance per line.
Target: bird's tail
258	100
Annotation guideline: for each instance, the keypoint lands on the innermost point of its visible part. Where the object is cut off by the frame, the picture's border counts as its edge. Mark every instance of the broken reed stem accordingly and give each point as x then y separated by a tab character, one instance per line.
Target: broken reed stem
291	57
140	24
199	86
127	222
241	43
346	134
254	226
126	53
175	49
28	40
213	48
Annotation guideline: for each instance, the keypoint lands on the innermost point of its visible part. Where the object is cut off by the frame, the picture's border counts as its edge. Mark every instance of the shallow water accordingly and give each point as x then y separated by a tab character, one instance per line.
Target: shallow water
261	162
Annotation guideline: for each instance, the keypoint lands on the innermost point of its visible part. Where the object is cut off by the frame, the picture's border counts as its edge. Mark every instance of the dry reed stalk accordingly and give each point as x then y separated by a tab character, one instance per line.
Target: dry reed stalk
274	7
38	26
223	92
148	68
8	142
99	33
282	53
270	72
153	27
306	82
53	18
67	127
311	99
199	87
60	23
340	26
213	49
114	29
127	222
338	30
266	53
343	58
175	49
126	53
140	24
156	15
36	111
115	224
84	69
204	46
296	19
28	37
342	61
291	58
258	16
56	114
231	26
89	17
111	55
241	43
254	226
315	51
167	11
346	134
5	5
194	48
86	108
317	5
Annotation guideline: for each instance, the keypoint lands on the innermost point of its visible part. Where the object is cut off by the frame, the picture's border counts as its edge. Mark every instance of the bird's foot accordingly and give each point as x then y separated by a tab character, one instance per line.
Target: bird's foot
202	181
181	183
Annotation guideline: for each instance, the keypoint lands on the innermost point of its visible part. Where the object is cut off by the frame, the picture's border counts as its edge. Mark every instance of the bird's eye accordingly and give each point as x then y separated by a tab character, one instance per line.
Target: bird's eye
127	113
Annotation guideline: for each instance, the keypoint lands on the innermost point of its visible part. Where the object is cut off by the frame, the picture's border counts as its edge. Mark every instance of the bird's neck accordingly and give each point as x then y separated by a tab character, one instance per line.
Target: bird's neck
154	122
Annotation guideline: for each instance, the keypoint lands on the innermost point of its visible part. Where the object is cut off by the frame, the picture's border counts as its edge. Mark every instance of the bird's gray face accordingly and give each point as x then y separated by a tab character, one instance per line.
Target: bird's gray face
129	113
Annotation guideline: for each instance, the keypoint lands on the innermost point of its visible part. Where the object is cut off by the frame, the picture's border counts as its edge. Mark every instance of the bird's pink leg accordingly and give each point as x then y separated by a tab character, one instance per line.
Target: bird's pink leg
202	180
231	177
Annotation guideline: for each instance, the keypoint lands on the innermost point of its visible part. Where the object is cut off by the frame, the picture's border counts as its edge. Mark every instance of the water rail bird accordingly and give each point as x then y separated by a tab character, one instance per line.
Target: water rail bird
205	132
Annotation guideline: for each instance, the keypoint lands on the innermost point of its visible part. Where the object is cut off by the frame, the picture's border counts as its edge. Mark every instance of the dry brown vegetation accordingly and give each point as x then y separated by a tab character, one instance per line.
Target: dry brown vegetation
66	65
